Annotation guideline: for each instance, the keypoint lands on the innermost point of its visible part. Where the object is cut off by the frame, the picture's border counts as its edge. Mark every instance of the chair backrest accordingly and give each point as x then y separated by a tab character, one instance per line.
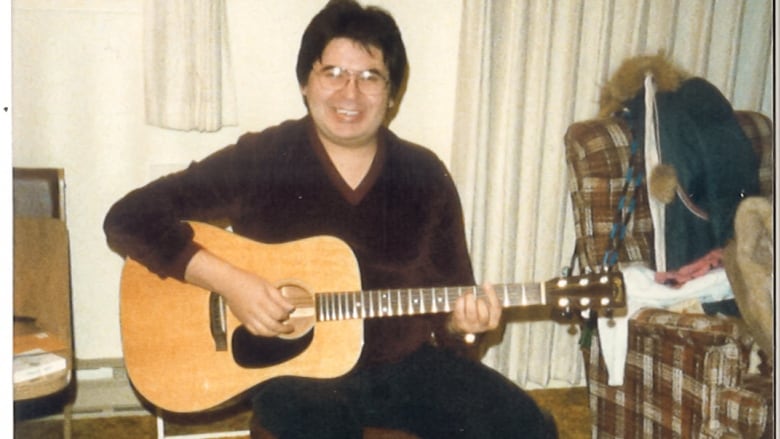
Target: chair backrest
597	154
41	261
39	192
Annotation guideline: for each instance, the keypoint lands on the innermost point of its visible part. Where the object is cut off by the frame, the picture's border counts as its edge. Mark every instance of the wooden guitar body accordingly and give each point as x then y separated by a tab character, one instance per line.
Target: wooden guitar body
169	349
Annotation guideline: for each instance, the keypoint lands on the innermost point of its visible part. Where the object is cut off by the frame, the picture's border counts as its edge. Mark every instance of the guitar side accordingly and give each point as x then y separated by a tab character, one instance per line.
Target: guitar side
169	351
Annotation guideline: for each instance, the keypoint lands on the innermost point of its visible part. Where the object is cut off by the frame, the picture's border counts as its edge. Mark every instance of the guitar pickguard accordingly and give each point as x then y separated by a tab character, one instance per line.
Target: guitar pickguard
251	351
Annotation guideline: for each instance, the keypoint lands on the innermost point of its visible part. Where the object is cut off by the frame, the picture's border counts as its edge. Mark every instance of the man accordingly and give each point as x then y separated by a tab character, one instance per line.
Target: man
339	171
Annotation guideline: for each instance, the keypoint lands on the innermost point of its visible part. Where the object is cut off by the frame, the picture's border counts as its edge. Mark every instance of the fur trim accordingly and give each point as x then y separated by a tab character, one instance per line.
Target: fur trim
663	183
629	79
749	263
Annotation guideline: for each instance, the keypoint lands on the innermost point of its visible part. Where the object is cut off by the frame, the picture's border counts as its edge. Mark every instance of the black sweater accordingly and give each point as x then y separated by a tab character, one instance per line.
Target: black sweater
404	222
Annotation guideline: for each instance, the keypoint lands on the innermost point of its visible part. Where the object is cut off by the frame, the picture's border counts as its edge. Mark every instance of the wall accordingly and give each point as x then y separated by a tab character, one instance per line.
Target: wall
77	104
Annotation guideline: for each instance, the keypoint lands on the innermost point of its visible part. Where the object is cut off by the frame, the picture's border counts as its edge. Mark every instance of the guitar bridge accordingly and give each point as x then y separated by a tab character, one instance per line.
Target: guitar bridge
218	321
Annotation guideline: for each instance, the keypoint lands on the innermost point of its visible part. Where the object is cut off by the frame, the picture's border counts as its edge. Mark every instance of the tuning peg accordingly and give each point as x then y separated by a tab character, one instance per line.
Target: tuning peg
609	313
572	329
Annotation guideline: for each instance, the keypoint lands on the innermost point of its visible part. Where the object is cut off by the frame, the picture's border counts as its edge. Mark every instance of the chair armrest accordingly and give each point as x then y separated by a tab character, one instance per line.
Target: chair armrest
743	411
692	329
717	346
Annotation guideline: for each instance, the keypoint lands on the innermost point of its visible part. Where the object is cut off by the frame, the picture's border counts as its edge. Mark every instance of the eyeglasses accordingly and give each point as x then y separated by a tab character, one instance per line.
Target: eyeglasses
369	82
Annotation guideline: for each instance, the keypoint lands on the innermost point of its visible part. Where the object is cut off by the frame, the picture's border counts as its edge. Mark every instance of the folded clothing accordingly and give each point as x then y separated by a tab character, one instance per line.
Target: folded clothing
642	291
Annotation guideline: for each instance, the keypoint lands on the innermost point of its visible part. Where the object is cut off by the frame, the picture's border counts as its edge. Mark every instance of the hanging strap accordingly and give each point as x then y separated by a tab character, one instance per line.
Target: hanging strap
626	205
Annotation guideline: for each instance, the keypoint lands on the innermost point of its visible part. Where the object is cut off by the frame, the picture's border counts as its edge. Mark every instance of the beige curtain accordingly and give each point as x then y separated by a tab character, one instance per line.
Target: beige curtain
527	70
188	82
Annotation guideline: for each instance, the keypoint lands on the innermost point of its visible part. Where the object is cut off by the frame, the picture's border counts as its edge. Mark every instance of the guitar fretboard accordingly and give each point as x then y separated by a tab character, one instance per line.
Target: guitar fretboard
415	301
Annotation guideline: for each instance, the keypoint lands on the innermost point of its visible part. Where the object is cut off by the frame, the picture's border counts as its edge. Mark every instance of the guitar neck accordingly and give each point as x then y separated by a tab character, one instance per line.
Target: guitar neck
416	301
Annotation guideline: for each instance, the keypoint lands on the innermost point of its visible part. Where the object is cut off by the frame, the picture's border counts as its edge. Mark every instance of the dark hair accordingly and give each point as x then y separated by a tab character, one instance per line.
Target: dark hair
370	26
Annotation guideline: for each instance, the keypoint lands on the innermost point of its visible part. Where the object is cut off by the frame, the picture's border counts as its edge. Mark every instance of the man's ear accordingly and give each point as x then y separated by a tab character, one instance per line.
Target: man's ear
304	90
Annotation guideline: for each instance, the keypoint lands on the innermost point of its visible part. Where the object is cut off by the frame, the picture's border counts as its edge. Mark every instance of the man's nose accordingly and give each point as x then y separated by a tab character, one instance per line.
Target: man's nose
351	88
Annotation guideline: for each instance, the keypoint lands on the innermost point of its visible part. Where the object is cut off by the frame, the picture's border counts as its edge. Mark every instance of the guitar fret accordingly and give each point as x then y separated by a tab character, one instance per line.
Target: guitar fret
325	307
328	315
400	305
387	308
390	307
447	307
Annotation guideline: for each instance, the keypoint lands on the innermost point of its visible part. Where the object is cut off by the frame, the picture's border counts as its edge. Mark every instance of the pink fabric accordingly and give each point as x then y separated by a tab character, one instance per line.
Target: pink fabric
697	268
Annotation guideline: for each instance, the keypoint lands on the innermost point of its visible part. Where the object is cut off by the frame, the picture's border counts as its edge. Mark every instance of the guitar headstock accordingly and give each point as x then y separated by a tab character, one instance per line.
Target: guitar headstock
595	291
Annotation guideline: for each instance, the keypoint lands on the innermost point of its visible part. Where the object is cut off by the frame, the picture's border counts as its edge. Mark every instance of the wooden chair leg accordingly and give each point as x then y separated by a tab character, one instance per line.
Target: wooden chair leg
67	418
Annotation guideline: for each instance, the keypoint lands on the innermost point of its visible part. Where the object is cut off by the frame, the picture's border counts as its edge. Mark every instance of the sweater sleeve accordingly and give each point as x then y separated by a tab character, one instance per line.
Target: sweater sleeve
149	224
450	251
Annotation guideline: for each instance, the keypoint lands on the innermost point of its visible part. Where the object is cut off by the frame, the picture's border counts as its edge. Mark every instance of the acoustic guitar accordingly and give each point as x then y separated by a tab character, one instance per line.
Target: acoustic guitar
185	352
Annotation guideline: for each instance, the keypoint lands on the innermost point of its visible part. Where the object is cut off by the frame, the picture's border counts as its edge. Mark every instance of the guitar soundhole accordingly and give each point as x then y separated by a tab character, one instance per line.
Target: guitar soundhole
303	318
251	351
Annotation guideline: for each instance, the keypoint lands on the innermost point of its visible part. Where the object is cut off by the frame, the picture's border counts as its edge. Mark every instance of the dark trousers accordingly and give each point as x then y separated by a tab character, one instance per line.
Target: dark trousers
432	393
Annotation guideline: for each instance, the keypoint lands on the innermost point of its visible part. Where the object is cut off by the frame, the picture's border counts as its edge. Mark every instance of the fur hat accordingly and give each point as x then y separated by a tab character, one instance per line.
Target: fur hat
629	79
748	260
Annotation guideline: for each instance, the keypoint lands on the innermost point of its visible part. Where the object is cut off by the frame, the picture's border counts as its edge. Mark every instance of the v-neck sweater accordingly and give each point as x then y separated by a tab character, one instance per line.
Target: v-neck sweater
403	222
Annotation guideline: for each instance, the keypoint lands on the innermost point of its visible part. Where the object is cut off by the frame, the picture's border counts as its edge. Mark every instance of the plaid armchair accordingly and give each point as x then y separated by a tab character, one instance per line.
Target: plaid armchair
685	374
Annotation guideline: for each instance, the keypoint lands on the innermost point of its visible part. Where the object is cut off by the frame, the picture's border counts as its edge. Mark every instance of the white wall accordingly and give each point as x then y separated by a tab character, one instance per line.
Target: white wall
77	104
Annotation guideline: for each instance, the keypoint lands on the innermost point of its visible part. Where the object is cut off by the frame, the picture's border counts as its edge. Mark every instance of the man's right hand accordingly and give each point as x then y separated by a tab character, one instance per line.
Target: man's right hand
259	305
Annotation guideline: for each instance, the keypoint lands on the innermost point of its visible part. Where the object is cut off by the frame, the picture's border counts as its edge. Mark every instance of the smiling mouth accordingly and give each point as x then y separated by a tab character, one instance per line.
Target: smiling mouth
346	113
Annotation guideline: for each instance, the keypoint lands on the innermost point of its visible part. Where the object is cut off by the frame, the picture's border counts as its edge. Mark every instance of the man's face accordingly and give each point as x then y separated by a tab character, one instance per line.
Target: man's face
347	116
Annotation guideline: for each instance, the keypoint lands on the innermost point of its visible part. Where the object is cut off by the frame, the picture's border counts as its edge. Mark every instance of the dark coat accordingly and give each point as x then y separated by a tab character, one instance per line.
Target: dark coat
715	163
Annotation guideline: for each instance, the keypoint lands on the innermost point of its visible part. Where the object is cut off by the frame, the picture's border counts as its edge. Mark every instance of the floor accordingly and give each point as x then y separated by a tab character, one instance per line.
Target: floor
568	406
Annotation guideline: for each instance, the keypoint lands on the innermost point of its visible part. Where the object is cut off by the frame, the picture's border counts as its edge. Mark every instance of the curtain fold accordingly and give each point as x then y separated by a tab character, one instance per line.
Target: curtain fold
527	70
188	82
